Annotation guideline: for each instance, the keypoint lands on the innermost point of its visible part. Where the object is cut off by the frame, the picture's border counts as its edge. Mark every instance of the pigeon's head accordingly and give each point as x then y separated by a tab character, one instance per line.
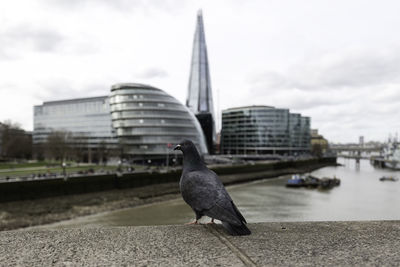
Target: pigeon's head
185	145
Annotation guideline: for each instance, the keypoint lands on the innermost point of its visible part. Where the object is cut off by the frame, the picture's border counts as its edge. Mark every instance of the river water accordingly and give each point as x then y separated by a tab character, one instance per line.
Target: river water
361	196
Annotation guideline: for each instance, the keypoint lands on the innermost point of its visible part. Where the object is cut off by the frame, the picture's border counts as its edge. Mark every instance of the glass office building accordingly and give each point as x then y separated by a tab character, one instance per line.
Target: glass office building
148	121
84	118
264	130
295	129
305	133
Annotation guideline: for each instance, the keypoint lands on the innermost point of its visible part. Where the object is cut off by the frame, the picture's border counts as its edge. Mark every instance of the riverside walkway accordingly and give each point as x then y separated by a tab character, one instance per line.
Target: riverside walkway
290	244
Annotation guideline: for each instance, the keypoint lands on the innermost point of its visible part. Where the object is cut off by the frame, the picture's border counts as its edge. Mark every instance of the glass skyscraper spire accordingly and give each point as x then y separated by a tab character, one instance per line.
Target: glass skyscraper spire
200	100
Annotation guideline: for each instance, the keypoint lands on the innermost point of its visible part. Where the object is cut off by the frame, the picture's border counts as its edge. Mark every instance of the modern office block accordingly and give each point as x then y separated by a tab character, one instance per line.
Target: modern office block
264	130
305	132
295	130
87	118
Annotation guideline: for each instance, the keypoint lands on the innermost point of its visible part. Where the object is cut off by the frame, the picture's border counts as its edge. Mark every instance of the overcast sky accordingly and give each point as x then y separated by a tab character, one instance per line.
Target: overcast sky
335	61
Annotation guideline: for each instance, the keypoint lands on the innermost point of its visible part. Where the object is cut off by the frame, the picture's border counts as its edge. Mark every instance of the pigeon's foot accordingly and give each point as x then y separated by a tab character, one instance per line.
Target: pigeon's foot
212	221
194	222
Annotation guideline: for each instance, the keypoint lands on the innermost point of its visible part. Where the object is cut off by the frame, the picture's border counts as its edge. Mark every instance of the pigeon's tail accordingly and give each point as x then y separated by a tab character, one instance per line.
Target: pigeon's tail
236	229
241	218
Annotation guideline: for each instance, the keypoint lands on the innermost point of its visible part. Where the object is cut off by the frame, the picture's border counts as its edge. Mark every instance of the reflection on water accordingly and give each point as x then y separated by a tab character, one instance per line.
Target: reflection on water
361	196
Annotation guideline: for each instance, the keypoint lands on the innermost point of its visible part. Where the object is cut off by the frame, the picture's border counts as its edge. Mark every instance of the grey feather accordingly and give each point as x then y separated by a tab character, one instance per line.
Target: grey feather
204	192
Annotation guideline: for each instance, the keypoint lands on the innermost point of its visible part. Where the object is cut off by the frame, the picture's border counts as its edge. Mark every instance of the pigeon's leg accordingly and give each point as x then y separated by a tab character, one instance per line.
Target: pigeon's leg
198	216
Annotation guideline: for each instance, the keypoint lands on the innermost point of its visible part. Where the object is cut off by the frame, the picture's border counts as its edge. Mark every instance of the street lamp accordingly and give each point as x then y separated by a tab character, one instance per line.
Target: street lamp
119	165
63	166
169	146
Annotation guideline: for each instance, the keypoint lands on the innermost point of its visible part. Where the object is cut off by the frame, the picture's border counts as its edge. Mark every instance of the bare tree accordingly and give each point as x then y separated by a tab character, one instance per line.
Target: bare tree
316	150
79	148
57	146
15	143
101	152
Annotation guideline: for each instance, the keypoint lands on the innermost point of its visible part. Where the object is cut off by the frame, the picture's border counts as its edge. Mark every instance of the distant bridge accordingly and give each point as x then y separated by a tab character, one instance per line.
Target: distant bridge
358	157
355	149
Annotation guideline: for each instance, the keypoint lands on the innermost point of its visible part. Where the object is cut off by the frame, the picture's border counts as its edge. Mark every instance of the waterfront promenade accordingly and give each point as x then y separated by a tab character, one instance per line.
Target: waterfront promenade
271	244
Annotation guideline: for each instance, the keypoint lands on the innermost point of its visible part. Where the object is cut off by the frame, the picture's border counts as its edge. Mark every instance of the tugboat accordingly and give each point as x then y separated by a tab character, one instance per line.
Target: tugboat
388	178
312	181
328	183
336	181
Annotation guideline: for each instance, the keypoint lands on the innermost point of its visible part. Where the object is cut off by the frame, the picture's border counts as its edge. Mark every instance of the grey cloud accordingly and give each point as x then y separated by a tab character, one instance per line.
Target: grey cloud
310	102
153	73
347	70
359	117
60	88
40	39
121	5
5	55
97	89
55	89
347	94
24	38
359	70
390	94
271	79
295	98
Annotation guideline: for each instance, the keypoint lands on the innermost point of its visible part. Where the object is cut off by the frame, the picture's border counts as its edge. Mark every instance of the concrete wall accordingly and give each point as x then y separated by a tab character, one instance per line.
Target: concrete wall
270	244
34	189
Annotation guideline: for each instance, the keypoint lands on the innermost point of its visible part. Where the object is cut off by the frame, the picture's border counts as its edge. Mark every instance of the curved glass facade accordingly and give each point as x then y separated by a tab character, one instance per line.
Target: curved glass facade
146	120
263	130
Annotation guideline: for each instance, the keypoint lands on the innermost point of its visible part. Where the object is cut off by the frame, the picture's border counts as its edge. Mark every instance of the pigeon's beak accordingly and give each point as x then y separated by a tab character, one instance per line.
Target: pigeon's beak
178	147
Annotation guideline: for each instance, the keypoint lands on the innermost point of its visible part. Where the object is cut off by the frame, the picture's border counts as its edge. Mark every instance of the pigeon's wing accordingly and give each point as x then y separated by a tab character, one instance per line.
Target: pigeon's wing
224	208
199	190
205	193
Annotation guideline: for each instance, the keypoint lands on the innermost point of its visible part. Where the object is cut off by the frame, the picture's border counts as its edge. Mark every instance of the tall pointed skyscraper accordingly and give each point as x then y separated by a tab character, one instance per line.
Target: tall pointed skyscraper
200	100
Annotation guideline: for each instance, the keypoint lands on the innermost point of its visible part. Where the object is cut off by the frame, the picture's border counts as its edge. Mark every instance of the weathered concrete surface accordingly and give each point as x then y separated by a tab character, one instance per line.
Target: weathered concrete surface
304	243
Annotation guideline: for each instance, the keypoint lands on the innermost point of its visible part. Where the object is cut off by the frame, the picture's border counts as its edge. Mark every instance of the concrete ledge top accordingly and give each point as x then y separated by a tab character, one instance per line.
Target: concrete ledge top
294	243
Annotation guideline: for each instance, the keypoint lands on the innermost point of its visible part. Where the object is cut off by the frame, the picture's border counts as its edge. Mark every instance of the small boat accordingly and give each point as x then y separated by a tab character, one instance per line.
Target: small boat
336	181
388	178
312	181
296	181
328	183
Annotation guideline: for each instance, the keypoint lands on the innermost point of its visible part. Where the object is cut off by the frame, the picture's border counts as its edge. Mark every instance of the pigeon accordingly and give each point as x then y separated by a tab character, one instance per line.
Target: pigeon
204	192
